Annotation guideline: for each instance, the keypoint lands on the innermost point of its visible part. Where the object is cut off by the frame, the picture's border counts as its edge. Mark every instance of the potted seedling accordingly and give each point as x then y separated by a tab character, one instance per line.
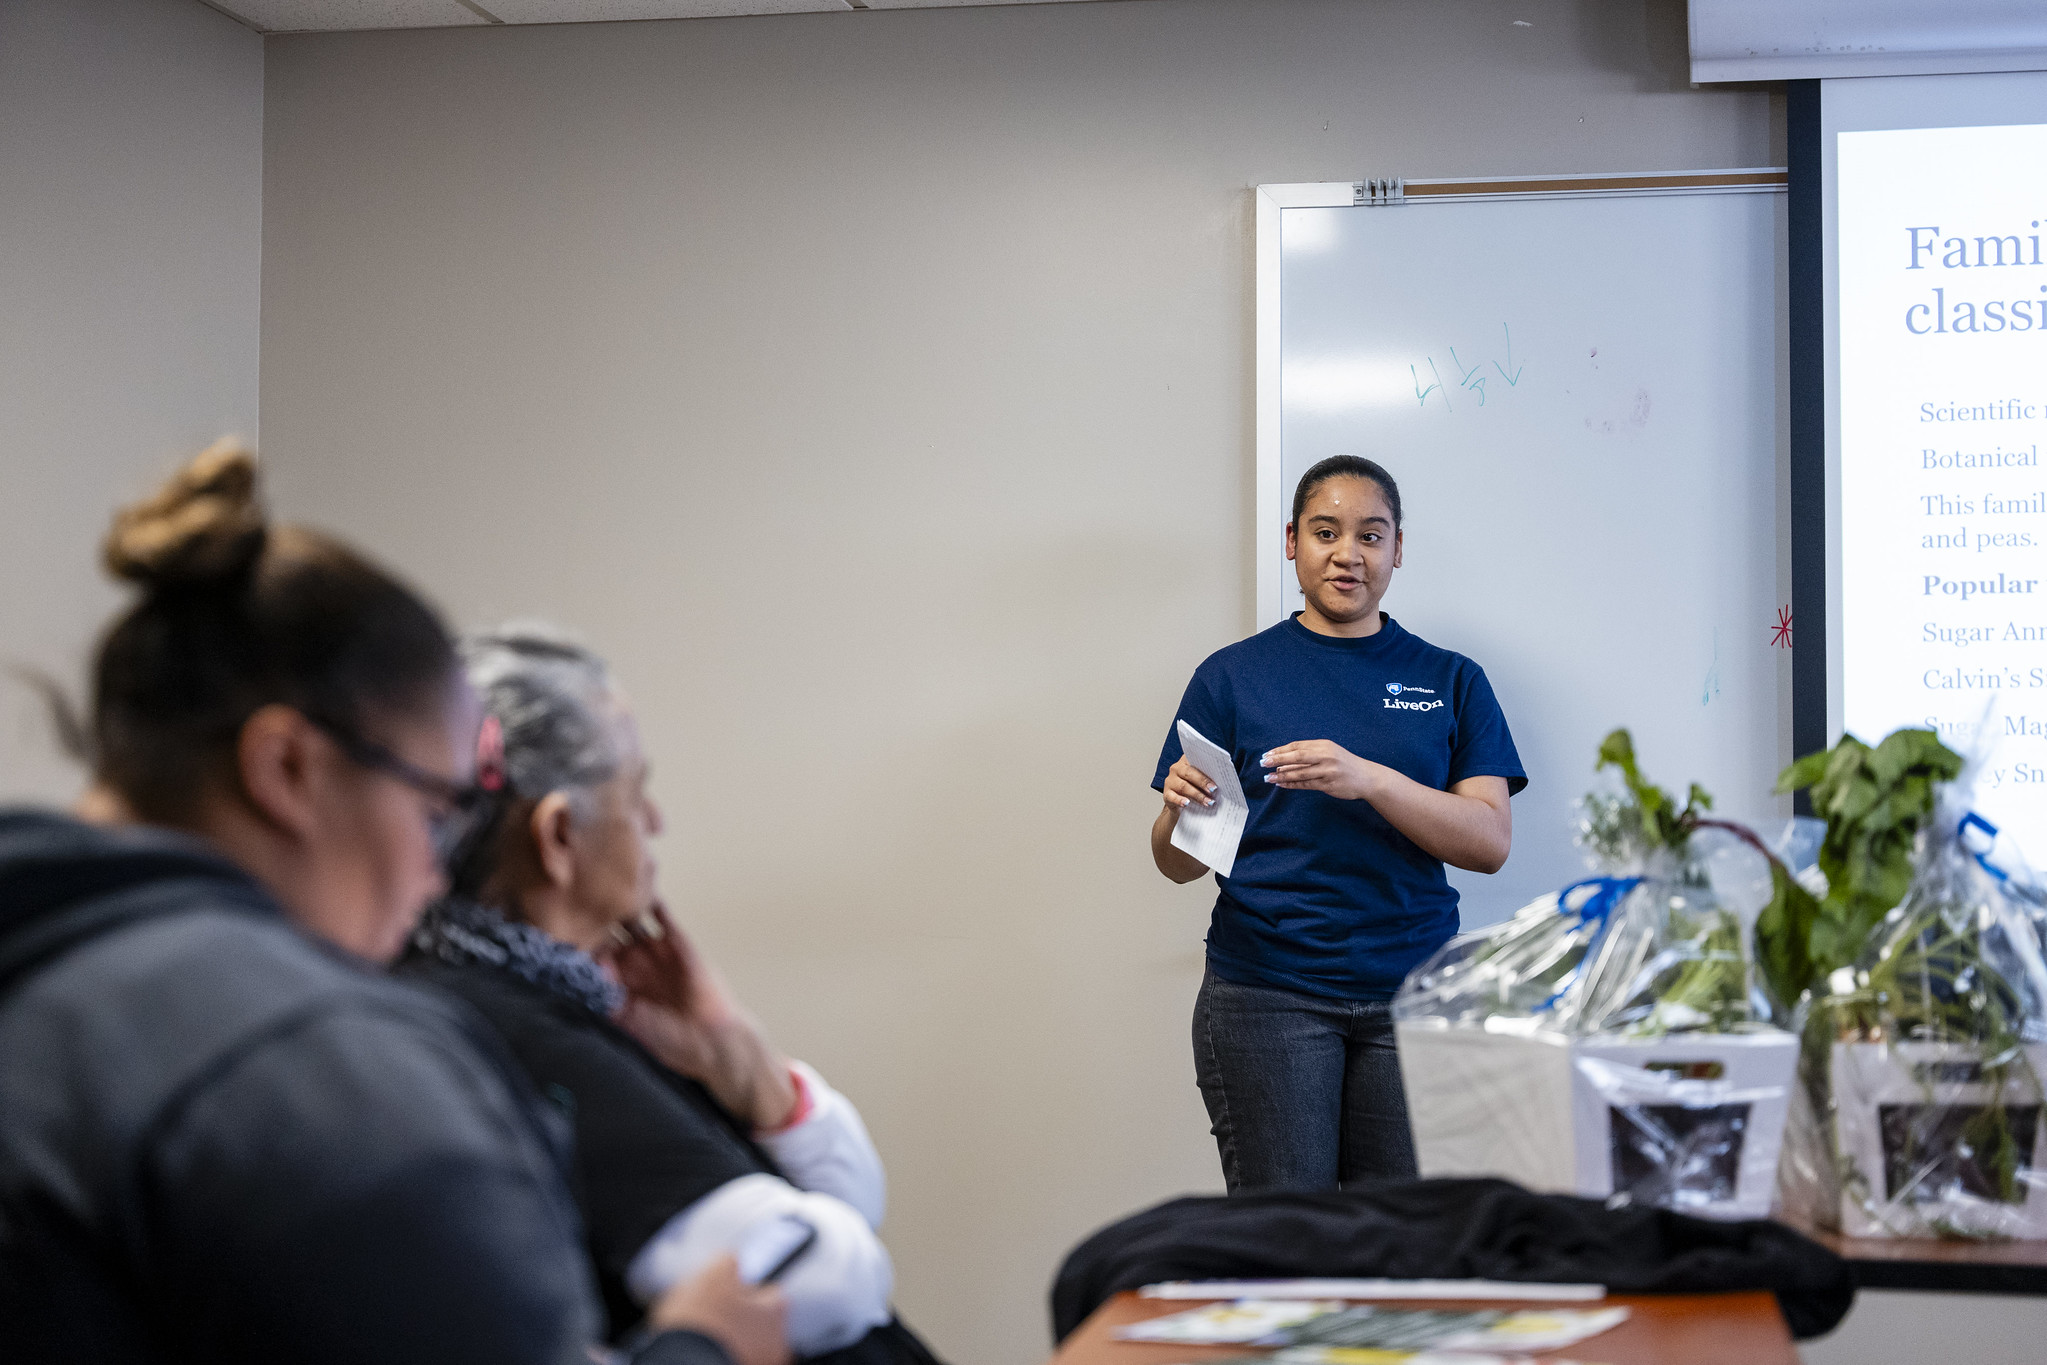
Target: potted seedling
1920	978
1608	1041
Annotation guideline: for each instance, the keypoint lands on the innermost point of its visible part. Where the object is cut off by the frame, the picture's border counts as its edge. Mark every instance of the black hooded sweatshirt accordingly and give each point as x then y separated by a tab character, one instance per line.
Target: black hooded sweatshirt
222	1140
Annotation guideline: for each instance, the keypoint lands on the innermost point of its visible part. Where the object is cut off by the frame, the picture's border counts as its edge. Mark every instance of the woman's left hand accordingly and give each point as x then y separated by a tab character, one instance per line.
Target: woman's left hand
683	1013
1322	765
1468	826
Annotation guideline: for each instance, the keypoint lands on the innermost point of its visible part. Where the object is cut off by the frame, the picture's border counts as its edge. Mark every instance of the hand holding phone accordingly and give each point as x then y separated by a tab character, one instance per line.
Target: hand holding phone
749	1321
767	1252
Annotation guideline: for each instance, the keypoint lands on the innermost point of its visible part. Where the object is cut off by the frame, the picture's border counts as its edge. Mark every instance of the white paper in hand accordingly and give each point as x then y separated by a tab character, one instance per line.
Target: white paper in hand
1211	833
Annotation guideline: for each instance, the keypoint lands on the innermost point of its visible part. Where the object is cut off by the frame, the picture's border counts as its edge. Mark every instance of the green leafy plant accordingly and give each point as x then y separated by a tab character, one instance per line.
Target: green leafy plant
1930	978
1874	801
1707	985
1938	986
1709	989
1649	815
1924	965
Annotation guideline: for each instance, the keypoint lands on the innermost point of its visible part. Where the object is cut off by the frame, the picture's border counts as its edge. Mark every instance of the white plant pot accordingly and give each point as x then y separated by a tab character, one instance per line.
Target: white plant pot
1906	1167
1690	1121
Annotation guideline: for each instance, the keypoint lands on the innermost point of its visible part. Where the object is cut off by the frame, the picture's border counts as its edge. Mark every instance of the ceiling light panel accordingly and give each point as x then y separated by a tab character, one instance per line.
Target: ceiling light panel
324	16
955	4
328	16
594	11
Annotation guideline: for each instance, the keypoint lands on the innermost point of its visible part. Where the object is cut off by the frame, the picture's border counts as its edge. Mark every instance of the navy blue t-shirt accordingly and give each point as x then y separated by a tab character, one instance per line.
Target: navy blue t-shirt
1326	897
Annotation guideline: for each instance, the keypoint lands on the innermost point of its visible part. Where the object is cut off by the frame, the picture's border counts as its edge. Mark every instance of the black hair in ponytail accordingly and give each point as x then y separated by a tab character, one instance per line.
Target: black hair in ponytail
235	615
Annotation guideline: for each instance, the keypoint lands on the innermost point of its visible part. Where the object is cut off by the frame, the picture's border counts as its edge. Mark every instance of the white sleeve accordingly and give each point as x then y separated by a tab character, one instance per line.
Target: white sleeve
838	1291
830	1152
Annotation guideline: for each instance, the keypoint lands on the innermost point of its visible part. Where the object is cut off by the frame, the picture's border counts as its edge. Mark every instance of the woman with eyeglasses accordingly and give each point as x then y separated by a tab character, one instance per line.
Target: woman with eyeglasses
225	1134
694	1135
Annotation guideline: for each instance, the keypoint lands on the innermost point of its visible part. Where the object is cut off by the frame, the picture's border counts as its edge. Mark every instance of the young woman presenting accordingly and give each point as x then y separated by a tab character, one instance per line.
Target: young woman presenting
1370	758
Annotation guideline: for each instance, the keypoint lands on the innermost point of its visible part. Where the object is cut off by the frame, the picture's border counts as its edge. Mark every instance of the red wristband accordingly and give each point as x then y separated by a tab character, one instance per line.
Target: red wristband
804	1104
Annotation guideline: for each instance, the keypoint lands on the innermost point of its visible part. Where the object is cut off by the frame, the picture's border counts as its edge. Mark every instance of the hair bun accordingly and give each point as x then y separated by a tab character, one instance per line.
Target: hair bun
206	524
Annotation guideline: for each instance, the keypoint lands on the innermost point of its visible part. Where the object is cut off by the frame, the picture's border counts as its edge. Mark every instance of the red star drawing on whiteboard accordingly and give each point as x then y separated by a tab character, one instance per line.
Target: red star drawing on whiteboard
1780	634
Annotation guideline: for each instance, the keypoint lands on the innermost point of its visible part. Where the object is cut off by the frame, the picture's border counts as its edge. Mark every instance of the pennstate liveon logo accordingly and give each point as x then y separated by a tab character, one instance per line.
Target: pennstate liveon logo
1393	702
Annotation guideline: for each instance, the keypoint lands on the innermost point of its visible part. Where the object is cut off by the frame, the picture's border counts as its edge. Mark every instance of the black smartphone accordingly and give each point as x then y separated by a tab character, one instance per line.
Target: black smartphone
770	1249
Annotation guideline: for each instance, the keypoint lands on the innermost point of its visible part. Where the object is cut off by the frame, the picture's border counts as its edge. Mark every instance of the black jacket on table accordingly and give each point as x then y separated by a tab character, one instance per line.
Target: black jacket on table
221	1140
1452	1229
649	1142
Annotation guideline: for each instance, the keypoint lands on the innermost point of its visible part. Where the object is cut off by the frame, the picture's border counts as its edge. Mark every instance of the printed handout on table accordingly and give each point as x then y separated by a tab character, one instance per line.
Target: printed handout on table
1229	1324
1484	1329
1326	1287
1317	1335
1373	1355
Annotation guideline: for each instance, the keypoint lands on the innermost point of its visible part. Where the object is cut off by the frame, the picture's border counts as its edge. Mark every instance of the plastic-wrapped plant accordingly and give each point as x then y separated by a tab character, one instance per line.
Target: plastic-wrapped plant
1958	964
1627	829
1653	944
1874	802
1917	944
1709	989
1697	976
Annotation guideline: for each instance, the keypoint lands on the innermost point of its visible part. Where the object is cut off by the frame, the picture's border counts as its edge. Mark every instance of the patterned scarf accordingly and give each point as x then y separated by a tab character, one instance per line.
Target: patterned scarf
459	931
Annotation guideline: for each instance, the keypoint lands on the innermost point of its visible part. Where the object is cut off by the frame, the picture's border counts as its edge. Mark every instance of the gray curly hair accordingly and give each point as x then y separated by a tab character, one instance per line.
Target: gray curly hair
551	696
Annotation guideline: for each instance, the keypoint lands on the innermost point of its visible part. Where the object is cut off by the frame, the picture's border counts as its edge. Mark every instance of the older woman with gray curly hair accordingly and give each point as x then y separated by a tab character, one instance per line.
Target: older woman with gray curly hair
693	1133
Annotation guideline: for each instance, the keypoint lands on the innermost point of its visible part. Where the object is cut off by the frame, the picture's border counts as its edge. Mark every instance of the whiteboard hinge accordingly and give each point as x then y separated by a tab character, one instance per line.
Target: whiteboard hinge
1377	192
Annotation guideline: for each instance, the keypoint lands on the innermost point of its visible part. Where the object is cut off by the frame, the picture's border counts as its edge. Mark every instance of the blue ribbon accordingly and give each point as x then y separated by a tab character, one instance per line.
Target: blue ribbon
1974	821
1599	906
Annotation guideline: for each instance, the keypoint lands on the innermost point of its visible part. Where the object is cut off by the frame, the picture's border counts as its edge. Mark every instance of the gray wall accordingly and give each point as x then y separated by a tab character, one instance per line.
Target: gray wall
1900	1327
131	179
876	389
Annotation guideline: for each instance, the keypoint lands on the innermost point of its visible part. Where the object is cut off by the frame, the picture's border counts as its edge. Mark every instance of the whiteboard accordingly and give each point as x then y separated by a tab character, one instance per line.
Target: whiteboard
1579	397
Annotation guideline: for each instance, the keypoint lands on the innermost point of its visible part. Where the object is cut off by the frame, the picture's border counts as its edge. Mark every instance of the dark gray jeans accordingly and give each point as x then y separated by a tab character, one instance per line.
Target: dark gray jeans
1303	1092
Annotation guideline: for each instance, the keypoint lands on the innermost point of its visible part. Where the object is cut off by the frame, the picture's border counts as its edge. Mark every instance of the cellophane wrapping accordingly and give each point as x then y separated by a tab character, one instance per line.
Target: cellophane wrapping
1920	1108
1610	1039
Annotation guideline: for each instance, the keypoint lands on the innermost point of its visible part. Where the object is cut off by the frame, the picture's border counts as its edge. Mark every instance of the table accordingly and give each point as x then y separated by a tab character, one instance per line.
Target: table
1664	1329
1931	1264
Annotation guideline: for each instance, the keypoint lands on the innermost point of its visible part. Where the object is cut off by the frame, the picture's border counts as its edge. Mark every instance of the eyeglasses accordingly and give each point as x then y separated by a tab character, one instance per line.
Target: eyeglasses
454	809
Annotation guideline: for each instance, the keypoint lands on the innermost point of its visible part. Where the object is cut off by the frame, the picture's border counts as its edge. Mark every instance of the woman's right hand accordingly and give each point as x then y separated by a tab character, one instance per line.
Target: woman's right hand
749	1321
1187	784
681	1011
